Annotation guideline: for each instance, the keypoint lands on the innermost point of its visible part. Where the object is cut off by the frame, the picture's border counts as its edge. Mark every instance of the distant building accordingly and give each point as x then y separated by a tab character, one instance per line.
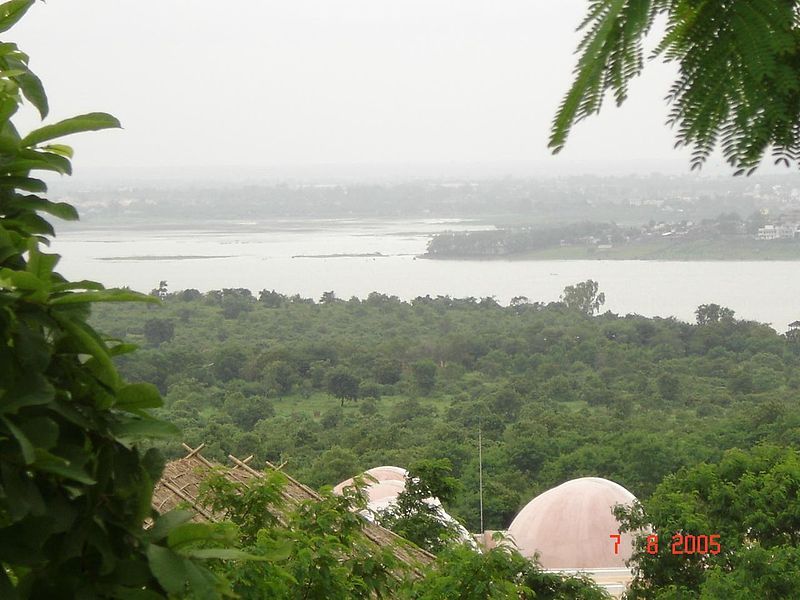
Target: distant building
788	231
768	232
786	228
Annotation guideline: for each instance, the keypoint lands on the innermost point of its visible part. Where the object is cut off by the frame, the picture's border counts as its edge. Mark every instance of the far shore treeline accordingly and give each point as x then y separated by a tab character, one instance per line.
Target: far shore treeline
726	237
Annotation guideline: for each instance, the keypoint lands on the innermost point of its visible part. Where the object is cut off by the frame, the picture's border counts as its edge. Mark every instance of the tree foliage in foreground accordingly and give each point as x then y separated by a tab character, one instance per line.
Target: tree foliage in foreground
317	549
748	499
737	85
75	490
497	574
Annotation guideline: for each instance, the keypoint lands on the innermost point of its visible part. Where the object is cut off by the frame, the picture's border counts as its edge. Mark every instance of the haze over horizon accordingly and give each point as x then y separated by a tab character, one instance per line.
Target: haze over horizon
355	88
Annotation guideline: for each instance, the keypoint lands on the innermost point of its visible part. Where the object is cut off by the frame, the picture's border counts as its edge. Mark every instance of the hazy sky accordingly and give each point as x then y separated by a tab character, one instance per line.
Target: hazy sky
265	83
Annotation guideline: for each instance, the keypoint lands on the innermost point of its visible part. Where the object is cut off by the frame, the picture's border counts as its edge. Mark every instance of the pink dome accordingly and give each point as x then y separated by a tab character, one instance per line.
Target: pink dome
570	525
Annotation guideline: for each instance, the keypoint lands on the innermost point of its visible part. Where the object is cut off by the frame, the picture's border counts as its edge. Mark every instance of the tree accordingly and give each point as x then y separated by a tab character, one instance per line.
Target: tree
584	297
328	298
246	411
158	331
190	295
75	488
271	299
343	385
744	500
387	371
713	313
497	574
235	302
737	73
793	334
317	549
424	374
333	466
756	573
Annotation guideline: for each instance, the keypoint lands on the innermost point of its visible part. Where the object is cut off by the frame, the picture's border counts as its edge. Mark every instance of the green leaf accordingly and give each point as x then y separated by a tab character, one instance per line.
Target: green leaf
13	11
77	285
28	452
50	161
11	49
167	522
113	295
191	533
60	466
29	223
33	90
80	124
68	411
132	573
21	280
278	551
138	396
91	344
21	167
62	210
168	567
60	149
41	431
27	497
7	589
8	108
202	582
121	349
39	263
29	184
34	390
222	554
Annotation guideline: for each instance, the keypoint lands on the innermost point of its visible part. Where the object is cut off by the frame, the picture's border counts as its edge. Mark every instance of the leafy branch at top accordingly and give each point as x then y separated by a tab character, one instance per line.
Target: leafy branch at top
737	87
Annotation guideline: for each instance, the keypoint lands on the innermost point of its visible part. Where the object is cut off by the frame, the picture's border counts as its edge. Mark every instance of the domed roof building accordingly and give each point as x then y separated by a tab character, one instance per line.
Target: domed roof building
381	493
569	526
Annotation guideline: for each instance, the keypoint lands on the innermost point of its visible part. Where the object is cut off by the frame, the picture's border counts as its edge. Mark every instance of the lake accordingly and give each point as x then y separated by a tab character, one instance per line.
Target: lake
358	256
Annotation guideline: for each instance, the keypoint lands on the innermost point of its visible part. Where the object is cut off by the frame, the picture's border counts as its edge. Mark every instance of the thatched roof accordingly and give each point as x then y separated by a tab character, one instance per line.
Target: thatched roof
180	485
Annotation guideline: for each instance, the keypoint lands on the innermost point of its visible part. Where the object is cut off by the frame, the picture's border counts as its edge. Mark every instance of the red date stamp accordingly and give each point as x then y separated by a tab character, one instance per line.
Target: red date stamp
681	543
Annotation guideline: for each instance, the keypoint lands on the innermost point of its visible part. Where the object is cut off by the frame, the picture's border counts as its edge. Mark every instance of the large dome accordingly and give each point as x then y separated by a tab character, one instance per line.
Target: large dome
569	525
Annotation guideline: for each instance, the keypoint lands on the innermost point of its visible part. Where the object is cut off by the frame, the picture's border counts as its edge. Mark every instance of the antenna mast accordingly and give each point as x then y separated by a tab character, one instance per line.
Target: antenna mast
480	473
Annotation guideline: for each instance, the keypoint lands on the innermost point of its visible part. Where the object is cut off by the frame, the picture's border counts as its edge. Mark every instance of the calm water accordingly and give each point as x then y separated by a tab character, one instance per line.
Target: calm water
300	257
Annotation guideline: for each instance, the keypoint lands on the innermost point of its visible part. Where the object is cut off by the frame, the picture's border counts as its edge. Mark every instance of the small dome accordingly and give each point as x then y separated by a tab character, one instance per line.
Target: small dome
569	525
383	492
389	482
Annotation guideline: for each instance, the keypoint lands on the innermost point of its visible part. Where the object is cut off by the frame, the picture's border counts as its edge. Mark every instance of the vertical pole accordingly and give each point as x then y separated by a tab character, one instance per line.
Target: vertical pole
480	473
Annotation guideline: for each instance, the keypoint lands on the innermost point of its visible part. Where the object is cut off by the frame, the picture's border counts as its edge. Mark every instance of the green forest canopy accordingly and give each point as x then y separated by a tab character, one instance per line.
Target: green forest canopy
559	394
650	403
